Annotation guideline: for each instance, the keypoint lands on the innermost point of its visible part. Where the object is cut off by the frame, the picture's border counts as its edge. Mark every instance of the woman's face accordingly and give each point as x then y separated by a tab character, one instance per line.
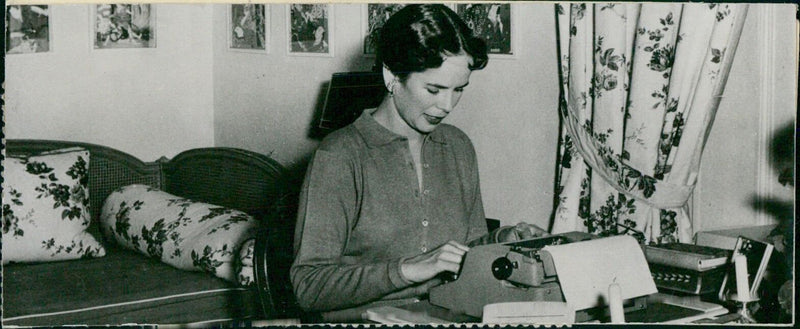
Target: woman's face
426	98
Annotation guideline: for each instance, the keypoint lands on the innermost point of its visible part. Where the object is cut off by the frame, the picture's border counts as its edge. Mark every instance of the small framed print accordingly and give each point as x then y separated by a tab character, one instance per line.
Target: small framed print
309	28
124	26
248	27
27	29
374	15
492	22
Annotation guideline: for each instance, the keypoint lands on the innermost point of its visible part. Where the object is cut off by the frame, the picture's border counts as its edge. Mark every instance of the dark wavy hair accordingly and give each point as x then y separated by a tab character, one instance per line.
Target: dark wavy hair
417	37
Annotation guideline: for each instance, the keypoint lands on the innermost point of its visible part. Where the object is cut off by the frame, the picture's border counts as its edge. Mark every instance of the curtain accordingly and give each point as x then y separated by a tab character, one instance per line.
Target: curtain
640	87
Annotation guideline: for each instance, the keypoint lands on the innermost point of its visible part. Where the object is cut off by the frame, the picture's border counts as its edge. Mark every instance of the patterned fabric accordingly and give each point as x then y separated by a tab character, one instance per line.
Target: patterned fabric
641	86
46	208
180	232
244	267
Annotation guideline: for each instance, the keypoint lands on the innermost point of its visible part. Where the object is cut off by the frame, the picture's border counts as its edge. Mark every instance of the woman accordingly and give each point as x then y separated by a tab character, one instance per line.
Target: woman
392	201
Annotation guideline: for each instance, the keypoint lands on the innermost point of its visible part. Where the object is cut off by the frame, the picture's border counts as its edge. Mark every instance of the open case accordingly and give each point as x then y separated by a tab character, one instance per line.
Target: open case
350	93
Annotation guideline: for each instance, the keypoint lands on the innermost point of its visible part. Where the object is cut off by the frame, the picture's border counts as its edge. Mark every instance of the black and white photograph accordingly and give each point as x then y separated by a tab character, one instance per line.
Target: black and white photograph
309	28
249	27
492	22
124	26
375	14
489	164
27	29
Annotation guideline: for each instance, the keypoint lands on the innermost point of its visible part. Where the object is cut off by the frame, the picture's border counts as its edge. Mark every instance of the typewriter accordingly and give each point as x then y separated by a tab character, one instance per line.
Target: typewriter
527	271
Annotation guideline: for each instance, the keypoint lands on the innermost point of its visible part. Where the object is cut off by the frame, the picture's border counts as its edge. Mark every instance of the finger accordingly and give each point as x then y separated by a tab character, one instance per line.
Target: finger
458	246
451	257
524	232
453	247
508	234
452	250
527	230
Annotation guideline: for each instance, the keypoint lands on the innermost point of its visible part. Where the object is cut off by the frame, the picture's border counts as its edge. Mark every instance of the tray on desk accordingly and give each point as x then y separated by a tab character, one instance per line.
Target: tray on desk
661	308
669	313
416	313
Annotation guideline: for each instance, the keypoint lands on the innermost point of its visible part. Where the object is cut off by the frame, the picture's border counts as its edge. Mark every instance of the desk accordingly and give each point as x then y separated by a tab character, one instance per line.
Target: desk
662	308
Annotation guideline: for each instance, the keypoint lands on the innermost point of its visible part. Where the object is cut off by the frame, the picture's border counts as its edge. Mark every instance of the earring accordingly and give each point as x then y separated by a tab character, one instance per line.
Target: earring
390	87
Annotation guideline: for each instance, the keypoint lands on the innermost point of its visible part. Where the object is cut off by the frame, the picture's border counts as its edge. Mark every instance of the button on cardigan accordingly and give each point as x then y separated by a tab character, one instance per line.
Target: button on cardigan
362	212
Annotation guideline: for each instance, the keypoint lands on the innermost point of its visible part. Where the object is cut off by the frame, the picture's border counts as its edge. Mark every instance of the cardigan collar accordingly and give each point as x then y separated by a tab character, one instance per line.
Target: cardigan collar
376	134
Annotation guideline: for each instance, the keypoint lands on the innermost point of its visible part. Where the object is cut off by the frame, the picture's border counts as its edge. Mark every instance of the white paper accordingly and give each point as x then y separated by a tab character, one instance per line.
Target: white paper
586	269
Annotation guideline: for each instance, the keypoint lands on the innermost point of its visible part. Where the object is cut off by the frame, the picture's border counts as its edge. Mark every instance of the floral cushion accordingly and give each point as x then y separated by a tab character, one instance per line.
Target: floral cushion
245	269
46	208
180	232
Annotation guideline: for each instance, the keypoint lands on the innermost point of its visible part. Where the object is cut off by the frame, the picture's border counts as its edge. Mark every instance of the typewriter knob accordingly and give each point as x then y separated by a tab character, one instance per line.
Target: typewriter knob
502	268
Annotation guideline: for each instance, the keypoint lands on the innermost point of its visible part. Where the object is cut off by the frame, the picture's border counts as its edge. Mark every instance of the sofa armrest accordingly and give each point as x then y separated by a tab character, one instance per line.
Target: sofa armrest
272	258
271	268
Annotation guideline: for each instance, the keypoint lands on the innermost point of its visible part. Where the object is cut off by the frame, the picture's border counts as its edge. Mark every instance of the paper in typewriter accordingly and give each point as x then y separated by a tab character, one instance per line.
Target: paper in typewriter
586	269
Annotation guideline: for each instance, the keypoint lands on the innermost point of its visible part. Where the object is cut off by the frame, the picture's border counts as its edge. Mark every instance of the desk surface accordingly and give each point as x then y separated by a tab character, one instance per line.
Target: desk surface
661	309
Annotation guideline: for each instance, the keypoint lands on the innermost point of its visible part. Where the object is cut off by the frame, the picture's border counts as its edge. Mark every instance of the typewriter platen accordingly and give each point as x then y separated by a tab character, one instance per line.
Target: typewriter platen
515	272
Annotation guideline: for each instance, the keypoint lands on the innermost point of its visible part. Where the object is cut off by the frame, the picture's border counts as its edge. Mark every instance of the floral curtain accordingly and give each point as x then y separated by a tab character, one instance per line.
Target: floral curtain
641	84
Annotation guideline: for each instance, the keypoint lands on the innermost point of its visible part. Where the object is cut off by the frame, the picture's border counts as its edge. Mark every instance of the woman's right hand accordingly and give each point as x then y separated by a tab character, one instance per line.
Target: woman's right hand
445	258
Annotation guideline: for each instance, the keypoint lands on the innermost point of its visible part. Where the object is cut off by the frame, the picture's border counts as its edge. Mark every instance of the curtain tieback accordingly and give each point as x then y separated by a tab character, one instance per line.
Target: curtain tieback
620	176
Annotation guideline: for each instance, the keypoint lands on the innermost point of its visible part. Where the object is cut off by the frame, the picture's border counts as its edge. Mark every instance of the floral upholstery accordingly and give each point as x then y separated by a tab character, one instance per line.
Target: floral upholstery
180	232
641	85
244	267
46	208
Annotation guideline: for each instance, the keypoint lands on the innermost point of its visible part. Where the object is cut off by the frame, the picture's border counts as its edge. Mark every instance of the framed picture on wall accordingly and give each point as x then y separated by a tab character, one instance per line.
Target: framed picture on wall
27	29
374	15
123	26
494	23
309	27
248	27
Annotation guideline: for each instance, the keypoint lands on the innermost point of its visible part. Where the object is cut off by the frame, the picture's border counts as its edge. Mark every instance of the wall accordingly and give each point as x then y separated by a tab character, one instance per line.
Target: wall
154	102
267	103
760	97
148	102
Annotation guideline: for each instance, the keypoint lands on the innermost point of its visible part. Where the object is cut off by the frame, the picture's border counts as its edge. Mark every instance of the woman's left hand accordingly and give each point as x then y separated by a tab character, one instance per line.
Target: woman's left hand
528	231
521	231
